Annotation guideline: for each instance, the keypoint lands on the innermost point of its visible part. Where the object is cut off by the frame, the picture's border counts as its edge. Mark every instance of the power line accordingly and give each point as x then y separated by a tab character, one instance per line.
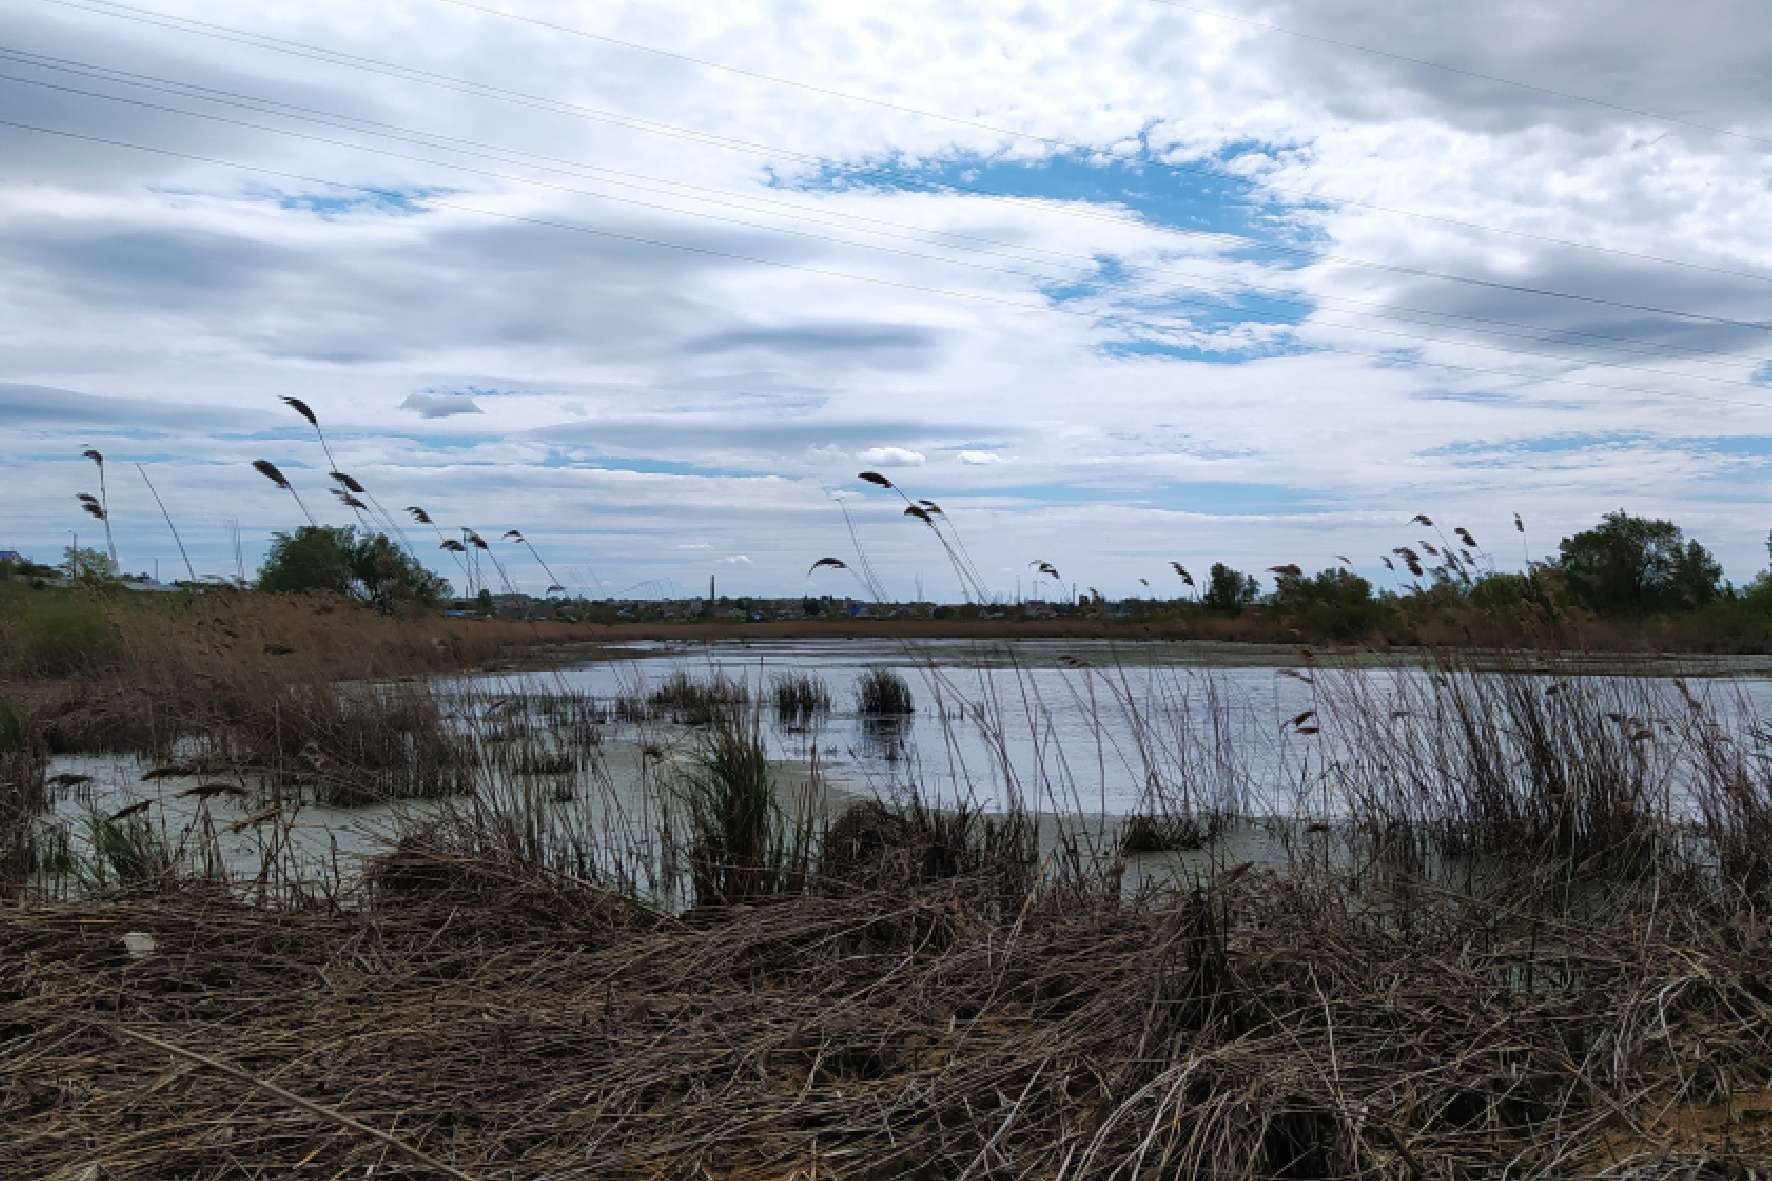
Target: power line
115	9
1073	146
426	139
1037	276
1462	71
1017	305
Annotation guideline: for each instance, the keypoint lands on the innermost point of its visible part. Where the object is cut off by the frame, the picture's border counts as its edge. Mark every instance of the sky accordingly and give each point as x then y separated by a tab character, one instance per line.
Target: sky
1115	283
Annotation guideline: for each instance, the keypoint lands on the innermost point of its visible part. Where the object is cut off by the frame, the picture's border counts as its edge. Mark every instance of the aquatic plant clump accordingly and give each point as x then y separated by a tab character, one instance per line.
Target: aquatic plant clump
799	699
880	692
1144	832
686	700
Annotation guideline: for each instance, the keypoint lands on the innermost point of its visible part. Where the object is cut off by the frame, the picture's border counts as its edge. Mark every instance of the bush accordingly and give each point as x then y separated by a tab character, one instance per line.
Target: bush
1336	604
366	567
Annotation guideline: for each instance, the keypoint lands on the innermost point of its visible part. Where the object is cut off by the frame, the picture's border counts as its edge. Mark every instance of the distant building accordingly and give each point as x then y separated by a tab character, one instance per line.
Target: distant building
13	556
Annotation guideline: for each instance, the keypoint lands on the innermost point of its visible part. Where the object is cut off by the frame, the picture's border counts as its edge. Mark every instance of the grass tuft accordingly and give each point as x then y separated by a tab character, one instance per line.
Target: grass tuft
880	692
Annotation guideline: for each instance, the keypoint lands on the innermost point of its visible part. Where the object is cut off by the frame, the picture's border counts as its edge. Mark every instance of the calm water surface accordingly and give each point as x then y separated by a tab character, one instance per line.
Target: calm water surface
1095	726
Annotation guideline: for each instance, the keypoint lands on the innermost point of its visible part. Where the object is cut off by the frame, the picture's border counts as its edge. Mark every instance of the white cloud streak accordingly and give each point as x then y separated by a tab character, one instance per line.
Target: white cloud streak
467	353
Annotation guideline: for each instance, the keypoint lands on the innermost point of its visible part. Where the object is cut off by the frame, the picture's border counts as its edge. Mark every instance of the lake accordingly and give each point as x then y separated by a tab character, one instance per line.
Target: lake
1079	728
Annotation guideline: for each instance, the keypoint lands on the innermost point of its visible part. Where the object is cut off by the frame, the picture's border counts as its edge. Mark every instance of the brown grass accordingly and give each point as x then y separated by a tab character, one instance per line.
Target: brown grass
510	1024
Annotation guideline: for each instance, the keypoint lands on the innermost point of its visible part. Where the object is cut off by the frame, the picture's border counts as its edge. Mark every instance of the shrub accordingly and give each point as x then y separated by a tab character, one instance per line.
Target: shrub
366	567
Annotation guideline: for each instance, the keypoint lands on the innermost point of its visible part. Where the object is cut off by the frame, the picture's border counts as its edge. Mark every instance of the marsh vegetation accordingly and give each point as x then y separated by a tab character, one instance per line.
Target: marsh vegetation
1463	912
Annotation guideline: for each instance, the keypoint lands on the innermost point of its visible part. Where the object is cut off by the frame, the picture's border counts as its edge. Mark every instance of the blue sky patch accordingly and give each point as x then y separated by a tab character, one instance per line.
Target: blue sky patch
407	201
1185	197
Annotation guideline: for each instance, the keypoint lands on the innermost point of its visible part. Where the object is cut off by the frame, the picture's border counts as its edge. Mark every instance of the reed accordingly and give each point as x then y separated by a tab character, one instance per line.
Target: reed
881	693
22	794
127	853
1143	832
103	509
742	843
800	699
691	701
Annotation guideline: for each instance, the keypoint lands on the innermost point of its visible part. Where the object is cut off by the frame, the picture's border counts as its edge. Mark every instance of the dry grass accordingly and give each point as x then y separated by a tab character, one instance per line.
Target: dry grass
507	1023
913	992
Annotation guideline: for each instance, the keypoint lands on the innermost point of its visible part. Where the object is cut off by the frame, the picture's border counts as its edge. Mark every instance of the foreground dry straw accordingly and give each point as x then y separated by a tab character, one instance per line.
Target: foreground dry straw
501	1023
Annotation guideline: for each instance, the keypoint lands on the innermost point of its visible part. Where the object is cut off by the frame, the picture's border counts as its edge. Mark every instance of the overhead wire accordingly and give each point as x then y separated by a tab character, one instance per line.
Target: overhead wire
1018	305
1038	276
282	45
751	203
1059	143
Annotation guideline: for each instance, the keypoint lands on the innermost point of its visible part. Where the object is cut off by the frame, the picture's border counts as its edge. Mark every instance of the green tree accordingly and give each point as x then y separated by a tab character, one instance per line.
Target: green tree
365	567
1636	566
483	603
1336	603
93	566
1229	590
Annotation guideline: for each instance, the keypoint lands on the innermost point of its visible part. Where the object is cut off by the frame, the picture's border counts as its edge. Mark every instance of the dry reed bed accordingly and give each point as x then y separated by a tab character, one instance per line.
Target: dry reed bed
488	1020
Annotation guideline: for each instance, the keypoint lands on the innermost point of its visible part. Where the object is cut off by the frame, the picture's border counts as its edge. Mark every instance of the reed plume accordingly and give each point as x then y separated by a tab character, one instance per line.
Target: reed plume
355	487
455	548
104	500
927	511
516	535
479	543
269	471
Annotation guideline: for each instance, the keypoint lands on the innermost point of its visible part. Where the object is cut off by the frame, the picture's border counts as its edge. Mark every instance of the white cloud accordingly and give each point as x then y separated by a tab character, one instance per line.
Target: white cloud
646	395
735	560
891	457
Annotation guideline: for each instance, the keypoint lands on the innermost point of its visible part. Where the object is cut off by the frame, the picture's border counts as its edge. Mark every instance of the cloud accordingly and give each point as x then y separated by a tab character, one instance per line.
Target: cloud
48	406
735	560
891	457
435	405
720	338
